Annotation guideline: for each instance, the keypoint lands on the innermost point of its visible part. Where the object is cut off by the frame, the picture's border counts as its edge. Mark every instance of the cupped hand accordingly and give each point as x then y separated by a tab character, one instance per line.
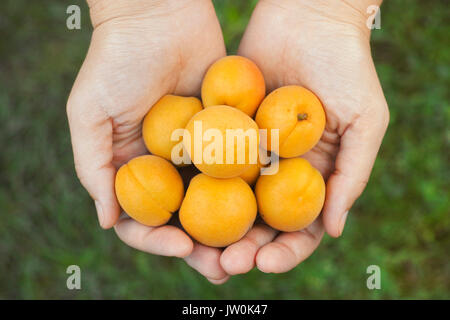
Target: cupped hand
139	51
323	46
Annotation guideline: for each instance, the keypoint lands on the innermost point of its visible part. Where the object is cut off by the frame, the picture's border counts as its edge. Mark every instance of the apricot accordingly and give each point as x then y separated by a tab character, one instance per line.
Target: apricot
234	81
222	141
168	114
252	173
149	189
218	212
291	199
298	115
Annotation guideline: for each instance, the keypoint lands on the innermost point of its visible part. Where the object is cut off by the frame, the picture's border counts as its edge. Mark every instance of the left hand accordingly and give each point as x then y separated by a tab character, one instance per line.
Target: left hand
139	52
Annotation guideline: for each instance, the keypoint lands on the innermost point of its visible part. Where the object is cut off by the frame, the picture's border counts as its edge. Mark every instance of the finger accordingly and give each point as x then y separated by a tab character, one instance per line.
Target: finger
359	146
240	257
91	133
206	261
164	241
221	281
127	144
289	249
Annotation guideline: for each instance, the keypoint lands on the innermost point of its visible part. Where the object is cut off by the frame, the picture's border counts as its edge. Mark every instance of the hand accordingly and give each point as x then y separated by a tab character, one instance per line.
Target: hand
140	51
324	46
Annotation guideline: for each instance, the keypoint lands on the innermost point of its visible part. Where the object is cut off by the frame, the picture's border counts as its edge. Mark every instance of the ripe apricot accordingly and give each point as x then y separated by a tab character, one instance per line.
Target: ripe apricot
149	189
292	198
222	141
299	116
218	212
168	114
234	81
252	173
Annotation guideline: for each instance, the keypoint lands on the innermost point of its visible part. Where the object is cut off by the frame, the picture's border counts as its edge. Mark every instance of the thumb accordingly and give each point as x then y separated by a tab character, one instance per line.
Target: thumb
358	149
91	133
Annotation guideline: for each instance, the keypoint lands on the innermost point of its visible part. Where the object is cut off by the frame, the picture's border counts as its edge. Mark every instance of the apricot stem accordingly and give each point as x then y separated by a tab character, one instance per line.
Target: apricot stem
302	116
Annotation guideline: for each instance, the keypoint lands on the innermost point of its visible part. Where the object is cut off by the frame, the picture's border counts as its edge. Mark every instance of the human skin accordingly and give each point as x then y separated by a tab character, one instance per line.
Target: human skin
140	51
131	63
323	46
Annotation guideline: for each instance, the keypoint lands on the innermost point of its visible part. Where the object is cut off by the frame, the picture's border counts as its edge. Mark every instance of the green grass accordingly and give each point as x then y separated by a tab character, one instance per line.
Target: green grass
48	222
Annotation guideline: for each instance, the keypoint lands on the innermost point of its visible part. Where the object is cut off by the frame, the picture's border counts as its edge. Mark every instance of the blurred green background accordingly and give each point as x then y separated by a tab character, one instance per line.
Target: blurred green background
48	222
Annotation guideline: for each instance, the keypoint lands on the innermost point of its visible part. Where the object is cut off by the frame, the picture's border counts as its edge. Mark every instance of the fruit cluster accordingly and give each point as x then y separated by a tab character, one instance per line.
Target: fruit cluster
223	139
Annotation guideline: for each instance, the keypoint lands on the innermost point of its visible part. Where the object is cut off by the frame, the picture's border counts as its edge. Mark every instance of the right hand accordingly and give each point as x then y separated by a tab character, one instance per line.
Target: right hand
140	51
324	46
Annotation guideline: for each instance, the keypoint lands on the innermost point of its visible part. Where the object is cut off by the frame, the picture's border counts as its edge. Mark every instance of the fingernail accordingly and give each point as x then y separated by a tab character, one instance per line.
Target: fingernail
99	209
342	223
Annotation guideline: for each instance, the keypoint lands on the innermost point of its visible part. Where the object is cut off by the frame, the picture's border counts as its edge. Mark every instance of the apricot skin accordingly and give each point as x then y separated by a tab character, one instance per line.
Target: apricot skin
149	189
252	173
222	118
168	114
299	116
291	199
234	81
218	212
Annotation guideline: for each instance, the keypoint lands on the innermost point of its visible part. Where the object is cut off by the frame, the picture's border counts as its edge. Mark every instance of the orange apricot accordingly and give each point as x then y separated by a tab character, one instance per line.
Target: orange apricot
234	81
222	141
149	189
218	212
168	114
298	115
291	199
252	173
